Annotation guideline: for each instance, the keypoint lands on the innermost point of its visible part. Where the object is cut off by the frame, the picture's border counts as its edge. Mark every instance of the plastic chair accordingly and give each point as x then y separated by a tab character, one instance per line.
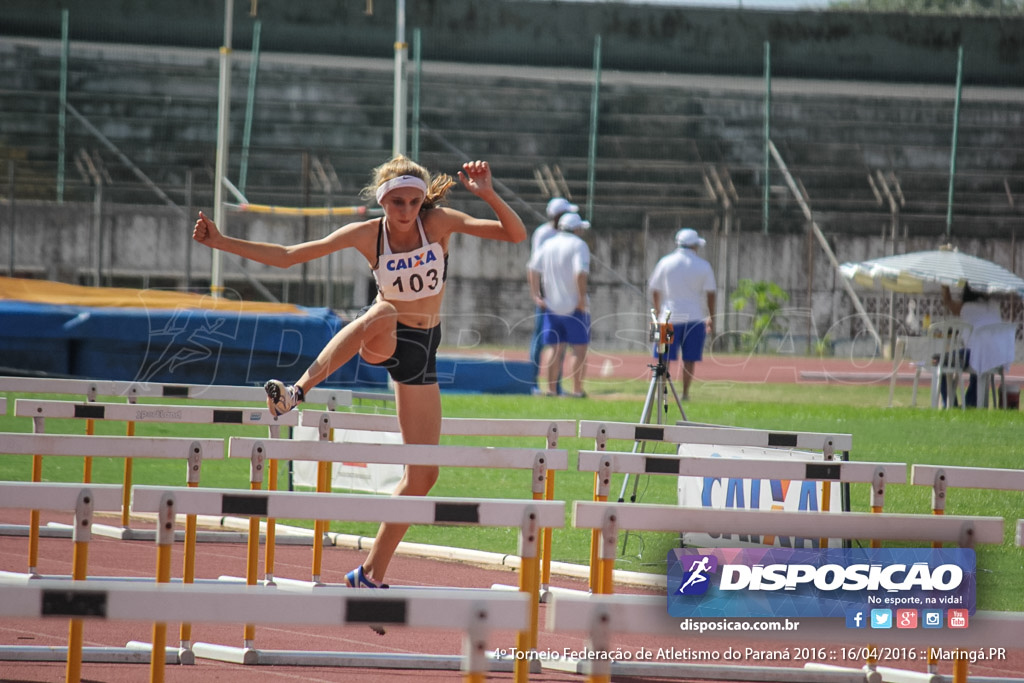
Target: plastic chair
915	352
948	339
992	350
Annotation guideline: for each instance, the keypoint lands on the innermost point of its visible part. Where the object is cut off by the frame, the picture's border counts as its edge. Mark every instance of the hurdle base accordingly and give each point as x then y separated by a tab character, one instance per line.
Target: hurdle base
93	655
44	531
225	653
368	660
17	577
175	655
60	530
545	593
719	672
872	675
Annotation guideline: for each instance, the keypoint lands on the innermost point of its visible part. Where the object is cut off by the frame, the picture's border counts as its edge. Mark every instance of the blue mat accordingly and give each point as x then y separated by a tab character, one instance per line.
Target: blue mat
196	346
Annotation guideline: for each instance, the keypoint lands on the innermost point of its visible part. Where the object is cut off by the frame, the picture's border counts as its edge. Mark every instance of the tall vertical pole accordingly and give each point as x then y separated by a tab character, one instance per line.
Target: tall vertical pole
417	60
766	198
956	128
223	123
594	109
62	114
401	55
250	105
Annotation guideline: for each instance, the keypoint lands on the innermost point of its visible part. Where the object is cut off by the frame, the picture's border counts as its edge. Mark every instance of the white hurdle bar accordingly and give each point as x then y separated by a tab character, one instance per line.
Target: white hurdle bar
605	463
473	612
85	500
91	389
61	498
540	460
171	447
1020	532
528	515
602	615
602	432
193	451
163	414
966	531
151	412
941	477
537	459
550	430
747	468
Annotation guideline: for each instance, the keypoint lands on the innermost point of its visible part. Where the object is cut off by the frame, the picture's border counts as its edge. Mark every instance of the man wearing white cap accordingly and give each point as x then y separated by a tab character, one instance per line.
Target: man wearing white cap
557	207
683	286
562	264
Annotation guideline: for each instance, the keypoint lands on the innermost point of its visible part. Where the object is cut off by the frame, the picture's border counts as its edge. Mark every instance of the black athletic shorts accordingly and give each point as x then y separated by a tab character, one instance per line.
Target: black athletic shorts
415	358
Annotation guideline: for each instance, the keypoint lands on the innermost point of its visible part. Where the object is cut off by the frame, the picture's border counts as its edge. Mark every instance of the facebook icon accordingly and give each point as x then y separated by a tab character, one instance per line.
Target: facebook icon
856	618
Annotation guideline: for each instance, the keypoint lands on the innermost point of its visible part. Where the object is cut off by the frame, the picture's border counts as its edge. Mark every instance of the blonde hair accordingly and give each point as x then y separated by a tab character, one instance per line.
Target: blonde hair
437	186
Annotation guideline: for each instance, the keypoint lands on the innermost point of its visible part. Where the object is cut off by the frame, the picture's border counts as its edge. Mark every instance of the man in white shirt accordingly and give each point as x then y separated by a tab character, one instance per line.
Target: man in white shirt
683	285
562	265
557	207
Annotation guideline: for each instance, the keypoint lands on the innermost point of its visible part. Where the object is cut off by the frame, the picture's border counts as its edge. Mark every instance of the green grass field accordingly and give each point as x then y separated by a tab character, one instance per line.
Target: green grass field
979	438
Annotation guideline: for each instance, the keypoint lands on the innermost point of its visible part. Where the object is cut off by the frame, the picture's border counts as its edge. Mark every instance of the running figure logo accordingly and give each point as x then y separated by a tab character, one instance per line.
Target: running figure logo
695	578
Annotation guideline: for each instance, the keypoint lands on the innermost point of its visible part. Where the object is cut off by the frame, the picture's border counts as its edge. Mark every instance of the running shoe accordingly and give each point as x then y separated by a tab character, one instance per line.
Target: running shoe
282	397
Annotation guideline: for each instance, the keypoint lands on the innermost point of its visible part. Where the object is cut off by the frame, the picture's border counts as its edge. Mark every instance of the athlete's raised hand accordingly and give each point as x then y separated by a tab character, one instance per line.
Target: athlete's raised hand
476	177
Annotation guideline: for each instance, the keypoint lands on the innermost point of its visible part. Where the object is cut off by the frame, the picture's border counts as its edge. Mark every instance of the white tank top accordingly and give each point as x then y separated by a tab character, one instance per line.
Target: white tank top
416	274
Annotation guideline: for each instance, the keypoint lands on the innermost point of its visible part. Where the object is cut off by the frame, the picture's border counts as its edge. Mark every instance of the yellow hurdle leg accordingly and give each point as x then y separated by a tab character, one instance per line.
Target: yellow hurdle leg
937	544
126	500
960	667
826	503
595	539
545	538
188	572
875	543
252	565
75	638
90	429
164	544
269	550
33	519
323	485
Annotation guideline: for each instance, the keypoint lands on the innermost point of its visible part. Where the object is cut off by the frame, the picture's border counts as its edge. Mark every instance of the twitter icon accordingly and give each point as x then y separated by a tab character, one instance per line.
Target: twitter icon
881	618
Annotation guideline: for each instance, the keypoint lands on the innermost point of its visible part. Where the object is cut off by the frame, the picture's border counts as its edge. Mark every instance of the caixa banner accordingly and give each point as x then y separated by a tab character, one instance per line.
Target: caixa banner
826	582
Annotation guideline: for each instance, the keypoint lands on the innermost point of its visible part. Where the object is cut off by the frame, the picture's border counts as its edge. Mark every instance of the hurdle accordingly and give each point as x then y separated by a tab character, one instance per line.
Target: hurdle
40	445
606	463
832	447
90	390
529	516
718	435
549	430
132	413
599	616
609	518
940	478
85	500
471	612
540	461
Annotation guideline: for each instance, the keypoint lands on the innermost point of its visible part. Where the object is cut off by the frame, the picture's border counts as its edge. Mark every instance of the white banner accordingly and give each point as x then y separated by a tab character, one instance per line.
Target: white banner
754	494
350	476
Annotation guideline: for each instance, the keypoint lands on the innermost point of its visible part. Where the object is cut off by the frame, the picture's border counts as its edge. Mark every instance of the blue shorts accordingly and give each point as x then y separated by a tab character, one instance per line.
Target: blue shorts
690	338
565	329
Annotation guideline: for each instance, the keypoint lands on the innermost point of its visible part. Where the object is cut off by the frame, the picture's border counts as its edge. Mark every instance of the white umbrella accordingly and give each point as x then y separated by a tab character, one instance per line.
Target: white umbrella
912	273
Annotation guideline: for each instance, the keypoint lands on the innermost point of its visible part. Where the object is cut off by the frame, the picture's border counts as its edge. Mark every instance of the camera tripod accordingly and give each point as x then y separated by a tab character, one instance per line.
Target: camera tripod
656	404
